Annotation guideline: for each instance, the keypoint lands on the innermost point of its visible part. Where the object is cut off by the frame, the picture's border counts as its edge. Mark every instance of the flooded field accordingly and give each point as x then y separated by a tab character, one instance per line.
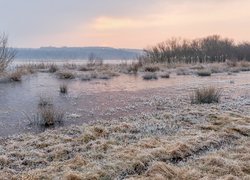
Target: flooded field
115	123
89	101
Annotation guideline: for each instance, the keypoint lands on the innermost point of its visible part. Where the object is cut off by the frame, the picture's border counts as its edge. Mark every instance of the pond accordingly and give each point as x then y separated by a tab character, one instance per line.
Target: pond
87	101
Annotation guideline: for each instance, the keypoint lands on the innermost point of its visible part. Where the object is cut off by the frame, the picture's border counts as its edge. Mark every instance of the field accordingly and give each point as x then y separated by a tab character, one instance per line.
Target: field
146	128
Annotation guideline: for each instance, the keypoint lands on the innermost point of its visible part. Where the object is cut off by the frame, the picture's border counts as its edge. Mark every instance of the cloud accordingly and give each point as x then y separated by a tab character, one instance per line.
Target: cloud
120	23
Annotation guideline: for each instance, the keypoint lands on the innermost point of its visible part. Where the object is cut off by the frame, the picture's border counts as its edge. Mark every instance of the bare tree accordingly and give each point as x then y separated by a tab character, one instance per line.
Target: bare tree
7	54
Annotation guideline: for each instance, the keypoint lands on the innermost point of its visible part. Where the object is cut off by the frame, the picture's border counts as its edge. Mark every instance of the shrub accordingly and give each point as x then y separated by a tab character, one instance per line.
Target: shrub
63	88
204	73
206	96
150	76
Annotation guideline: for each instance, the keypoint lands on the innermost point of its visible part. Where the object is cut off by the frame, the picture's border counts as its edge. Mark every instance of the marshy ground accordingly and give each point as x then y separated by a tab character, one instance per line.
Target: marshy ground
125	127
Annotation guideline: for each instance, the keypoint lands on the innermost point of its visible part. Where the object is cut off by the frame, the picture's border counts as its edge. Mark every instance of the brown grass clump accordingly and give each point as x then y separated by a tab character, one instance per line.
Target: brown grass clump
65	75
63	89
183	71
70	66
85	68
16	76
53	68
166	75
3	160
204	73
133	68
151	68
150	76
231	63
49	116
162	170
206	95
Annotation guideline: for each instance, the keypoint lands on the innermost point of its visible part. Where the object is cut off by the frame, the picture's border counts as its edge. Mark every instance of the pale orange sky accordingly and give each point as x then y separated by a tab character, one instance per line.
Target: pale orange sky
123	24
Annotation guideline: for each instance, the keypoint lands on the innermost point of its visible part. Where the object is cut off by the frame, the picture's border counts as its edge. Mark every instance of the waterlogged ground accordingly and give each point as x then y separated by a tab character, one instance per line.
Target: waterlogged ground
130	129
88	101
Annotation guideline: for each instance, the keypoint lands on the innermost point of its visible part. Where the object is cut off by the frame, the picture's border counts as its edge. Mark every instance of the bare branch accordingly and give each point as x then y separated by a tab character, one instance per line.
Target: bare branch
7	54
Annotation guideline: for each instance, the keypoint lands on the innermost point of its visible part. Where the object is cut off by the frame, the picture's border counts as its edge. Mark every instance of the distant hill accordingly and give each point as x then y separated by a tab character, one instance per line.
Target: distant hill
76	53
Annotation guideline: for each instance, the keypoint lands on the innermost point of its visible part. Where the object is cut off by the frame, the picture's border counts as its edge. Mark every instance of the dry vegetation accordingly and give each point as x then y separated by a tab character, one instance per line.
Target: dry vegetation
206	95
63	89
149	146
180	141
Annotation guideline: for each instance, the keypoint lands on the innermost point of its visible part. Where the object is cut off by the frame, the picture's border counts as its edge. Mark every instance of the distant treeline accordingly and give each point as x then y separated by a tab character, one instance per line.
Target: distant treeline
79	53
208	49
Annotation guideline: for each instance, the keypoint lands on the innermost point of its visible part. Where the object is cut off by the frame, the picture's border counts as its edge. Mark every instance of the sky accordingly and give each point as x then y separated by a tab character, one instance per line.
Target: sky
120	23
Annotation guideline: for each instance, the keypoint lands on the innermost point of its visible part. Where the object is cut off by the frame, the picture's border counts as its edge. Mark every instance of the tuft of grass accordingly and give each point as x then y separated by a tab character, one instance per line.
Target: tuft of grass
65	75
133	68
206	95
151	68
44	101
150	76
85	68
63	89
53	68
49	116
70	66
166	76
86	77
16	76
204	73
183	71
231	63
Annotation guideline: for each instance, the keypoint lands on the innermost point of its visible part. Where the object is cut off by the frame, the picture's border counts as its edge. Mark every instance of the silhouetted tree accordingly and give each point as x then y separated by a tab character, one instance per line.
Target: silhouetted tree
208	49
7	54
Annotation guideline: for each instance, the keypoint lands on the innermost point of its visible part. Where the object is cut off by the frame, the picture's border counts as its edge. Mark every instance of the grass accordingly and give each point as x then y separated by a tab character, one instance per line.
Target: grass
65	75
63	89
133	68
85	77
183	71
150	76
231	63
165	75
16	76
151	68
44	101
85	68
53	68
49	116
136	148
206	95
